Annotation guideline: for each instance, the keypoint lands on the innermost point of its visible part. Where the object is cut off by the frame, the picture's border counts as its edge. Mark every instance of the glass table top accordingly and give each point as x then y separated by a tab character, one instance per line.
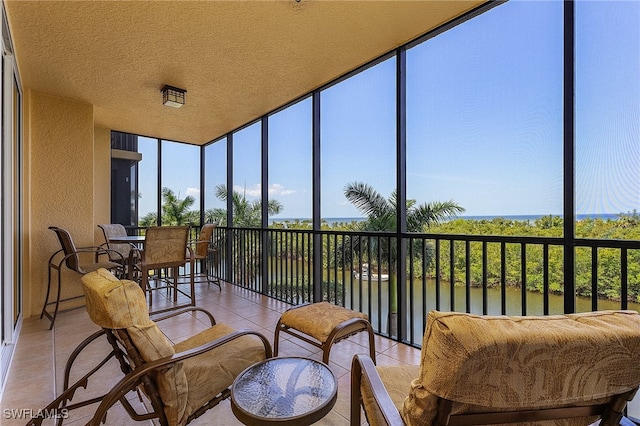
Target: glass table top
288	388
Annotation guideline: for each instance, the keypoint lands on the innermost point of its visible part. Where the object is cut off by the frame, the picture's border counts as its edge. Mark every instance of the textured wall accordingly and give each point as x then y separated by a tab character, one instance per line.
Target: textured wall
61	192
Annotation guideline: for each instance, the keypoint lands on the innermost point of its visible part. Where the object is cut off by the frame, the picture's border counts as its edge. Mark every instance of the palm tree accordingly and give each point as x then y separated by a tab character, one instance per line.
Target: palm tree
381	212
150	219
217	216
174	210
381	215
246	214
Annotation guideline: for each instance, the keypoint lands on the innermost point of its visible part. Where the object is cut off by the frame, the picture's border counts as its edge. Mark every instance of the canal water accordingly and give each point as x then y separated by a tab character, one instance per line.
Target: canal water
373	299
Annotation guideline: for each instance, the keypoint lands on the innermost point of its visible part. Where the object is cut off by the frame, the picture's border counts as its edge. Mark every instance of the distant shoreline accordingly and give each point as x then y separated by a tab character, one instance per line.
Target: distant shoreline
523	218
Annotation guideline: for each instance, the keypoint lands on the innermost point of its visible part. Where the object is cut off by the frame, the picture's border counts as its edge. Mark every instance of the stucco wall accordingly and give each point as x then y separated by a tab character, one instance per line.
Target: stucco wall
66	170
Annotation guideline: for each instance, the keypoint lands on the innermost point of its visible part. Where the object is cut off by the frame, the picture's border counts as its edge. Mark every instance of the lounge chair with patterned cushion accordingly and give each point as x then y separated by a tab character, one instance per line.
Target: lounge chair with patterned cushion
568	369
182	381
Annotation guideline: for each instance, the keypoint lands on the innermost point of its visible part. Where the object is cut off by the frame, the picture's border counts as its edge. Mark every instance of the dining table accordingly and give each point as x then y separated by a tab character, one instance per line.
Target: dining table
136	241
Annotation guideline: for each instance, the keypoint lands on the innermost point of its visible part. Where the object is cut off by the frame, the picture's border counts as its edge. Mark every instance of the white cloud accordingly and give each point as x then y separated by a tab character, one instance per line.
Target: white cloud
194	192
256	190
249	191
277	189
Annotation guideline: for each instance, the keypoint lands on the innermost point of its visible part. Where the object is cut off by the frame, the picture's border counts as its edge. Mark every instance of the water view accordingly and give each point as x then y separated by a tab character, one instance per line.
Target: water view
372	298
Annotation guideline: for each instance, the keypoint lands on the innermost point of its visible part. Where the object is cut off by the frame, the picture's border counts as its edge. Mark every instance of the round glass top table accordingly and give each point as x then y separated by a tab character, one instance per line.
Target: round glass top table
286	390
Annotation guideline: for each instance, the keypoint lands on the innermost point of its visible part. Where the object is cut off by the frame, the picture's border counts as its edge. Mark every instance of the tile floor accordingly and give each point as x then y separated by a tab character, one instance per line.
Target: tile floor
37	370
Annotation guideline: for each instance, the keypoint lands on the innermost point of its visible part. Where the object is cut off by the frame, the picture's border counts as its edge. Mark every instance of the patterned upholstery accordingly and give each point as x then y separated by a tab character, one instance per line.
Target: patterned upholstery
318	319
111	230
114	303
187	385
201	246
396	381
166	245
215	370
323	324
204	251
500	363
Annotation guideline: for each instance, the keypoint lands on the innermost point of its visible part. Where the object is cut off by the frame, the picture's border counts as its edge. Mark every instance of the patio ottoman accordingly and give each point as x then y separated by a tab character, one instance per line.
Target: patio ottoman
322	324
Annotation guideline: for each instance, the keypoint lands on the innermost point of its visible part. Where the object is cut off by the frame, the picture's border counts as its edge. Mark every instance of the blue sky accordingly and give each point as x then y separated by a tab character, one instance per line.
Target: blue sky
484	122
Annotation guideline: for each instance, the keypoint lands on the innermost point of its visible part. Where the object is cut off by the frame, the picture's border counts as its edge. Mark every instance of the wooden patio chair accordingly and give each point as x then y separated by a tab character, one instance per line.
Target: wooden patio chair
475	370
81	260
181	382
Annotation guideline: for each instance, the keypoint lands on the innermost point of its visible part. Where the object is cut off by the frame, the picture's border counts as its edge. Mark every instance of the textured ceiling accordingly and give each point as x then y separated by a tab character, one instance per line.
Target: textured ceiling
237	59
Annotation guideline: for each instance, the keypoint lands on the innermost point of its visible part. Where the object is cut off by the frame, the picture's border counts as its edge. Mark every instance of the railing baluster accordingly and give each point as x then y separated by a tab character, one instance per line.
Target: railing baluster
438	273
452	275
411	294
545	279
503	278
624	281
424	285
485	299
339	283
467	277
289	264
594	279
523	277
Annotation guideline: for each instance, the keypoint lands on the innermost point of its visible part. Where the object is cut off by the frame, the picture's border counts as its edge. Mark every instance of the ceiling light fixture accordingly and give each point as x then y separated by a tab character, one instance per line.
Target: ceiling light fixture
172	96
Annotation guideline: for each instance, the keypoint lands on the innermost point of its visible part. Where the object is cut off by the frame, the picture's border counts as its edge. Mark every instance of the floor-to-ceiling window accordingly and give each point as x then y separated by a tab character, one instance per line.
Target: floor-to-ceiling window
607	142
489	127
290	167
608	111
215	179
357	140
148	182
484	130
11	203
247	177
180	179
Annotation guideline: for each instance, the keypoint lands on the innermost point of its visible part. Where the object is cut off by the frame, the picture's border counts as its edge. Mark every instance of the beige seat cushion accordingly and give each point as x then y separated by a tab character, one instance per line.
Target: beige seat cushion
524	362
318	319
212	372
397	382
172	383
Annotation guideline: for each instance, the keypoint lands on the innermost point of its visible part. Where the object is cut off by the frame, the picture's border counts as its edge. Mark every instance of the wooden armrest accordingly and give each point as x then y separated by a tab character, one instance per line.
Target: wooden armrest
131	380
362	366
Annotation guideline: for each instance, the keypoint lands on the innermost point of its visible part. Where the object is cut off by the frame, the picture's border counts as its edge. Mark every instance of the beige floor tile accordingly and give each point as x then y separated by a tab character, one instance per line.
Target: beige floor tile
404	353
37	372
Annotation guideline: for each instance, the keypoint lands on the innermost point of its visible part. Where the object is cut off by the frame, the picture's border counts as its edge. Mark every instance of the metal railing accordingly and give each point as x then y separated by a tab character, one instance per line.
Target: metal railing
398	280
398	283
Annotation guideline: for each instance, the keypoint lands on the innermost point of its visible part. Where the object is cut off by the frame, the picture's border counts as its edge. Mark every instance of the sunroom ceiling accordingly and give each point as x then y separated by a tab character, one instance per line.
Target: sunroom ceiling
237	59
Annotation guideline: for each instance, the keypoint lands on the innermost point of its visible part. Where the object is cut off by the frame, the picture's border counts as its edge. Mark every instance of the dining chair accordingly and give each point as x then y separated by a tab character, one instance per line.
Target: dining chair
126	251
165	250
75	259
205	253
